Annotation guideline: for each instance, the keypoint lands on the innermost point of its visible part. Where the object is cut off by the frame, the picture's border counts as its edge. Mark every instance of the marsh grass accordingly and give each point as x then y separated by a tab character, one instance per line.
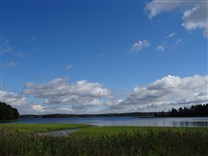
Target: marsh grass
147	142
41	127
111	130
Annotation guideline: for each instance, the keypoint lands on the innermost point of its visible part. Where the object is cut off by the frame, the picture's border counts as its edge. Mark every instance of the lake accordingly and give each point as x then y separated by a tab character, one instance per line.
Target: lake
124	121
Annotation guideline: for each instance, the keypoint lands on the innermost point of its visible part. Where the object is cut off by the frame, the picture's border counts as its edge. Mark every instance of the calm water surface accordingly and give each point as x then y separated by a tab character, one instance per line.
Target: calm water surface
125	121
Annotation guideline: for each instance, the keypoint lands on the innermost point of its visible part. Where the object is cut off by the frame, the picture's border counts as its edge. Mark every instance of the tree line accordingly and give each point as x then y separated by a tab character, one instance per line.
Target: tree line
133	114
7	112
193	111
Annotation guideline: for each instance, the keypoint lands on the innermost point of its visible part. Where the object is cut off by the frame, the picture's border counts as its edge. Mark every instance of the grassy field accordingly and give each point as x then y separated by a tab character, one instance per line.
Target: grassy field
89	130
23	139
41	127
111	130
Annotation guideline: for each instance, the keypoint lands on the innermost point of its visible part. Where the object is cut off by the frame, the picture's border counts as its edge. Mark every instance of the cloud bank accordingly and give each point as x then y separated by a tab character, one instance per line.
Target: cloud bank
169	92
79	95
60	96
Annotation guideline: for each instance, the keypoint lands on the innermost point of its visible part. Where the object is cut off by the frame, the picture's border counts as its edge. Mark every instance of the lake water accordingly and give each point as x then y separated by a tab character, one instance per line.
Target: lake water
124	121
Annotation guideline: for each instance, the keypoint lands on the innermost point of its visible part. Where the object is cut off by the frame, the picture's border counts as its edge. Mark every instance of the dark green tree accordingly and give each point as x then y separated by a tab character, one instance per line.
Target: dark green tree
7	112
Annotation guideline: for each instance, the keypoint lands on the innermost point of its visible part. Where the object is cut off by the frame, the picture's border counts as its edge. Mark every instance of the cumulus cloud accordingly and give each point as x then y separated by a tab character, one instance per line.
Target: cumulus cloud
22	103
61	87
80	95
13	98
17	100
168	92
194	12
60	96
139	45
197	17
156	7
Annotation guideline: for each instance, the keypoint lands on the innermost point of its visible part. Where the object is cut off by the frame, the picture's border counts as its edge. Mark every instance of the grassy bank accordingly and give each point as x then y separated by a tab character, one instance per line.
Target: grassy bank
22	139
112	130
40	127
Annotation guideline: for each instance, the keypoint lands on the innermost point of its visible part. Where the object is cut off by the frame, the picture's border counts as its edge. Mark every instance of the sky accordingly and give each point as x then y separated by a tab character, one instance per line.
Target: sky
91	56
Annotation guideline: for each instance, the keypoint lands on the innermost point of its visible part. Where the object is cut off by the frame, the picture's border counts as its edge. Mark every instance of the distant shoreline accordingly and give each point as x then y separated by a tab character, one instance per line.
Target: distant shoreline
193	111
148	114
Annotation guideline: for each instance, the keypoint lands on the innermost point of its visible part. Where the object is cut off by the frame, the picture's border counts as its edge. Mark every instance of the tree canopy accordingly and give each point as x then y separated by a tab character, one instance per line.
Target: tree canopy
193	111
7	112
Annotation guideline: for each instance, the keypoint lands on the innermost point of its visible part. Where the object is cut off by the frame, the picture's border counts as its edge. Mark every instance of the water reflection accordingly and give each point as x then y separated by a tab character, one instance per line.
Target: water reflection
190	124
125	121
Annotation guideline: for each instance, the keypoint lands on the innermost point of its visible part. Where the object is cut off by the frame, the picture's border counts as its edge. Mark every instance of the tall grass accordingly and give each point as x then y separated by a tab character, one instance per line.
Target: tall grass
162	143
41	127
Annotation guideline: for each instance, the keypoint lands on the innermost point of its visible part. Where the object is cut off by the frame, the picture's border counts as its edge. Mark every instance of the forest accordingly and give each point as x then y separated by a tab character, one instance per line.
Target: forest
7	112
193	111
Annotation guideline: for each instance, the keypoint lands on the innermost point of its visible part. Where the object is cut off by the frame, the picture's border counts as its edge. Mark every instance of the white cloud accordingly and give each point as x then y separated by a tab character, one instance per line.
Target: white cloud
168	92
61	87
160	47
13	99
59	96
81	96
21	102
62	97
177	42
139	45
68	67
156	7
11	64
197	17
194	12
170	35
170	41
38	108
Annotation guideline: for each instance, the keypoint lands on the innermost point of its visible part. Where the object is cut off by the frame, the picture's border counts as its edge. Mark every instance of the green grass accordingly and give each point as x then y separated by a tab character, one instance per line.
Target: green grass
111	130
41	127
16	139
89	130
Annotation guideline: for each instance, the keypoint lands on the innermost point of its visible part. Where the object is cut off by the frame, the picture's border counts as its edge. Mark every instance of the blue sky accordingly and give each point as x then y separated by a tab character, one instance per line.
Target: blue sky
103	55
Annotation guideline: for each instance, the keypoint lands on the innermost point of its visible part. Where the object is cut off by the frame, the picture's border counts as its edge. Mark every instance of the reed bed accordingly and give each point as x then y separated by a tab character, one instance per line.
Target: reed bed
151	143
